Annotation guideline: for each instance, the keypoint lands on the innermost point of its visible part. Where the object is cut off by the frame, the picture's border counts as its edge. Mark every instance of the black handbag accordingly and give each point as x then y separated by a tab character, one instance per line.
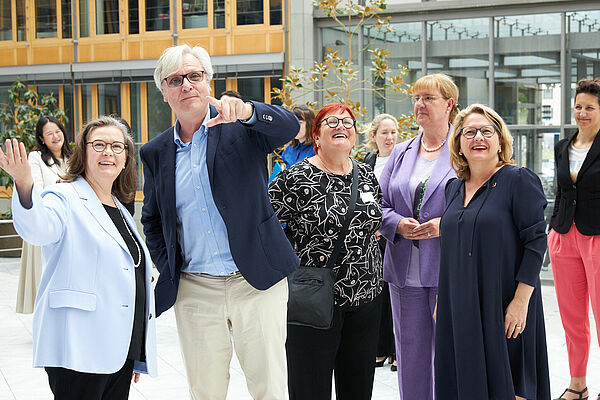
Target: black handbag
310	301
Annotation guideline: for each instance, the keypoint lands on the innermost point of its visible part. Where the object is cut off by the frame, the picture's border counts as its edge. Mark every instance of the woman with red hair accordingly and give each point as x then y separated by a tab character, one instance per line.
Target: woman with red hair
313	199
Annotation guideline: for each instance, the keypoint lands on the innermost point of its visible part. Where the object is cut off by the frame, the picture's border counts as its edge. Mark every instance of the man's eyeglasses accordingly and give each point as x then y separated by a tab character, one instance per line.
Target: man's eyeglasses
100	145
424	99
487	131
333	122
174	81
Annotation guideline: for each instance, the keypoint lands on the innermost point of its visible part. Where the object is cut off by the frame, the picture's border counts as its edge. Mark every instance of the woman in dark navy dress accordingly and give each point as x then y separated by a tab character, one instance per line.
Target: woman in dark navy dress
490	334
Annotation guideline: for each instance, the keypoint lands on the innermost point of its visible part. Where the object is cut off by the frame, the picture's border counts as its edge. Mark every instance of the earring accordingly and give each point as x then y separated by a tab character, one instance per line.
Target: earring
460	153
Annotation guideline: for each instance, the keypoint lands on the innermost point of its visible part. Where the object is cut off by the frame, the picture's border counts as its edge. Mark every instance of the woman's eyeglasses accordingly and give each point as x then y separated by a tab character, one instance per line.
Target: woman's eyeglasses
100	145
487	131
333	122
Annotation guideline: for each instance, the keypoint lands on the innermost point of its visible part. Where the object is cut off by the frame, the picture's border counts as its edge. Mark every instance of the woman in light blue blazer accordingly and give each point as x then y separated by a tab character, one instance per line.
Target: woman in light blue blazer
93	322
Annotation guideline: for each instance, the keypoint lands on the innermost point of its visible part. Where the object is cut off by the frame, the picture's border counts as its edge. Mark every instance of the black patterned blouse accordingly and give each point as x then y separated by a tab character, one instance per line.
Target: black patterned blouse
311	203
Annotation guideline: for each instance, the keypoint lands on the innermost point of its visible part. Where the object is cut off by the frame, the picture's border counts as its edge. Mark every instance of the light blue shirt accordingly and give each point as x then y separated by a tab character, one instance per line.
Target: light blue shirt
201	231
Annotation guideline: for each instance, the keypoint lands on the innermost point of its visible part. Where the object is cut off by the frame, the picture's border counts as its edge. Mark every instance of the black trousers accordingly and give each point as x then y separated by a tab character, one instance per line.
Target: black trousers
67	384
386	345
347	349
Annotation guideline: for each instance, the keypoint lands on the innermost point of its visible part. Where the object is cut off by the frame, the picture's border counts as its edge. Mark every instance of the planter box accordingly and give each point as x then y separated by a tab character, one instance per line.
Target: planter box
10	241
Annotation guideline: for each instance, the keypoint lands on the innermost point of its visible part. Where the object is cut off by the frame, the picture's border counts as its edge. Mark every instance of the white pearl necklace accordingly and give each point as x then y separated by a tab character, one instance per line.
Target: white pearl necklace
137	246
436	148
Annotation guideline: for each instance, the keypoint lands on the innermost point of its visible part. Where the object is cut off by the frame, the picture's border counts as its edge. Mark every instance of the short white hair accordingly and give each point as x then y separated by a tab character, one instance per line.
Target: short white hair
172	59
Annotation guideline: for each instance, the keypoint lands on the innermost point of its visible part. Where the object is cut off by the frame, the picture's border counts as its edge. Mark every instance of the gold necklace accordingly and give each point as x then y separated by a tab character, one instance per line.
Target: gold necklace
139	252
330	171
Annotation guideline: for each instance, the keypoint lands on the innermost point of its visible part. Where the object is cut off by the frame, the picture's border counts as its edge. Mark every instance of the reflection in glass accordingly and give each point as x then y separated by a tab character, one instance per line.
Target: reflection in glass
136	127
252	88
404	44
159	112
86	103
109	99
134	17
84	18
5	21
195	14
21	32
219	14
45	19
583	50
249	12
527	64
157	15
67	32
68	106
534	149
276	83
460	48
275	12
220	85
107	17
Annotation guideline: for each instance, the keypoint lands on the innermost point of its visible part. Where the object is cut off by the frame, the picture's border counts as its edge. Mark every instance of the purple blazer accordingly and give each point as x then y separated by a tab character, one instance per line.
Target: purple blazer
397	204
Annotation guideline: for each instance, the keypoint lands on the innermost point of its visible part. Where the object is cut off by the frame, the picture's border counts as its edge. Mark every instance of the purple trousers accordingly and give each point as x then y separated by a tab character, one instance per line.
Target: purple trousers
412	309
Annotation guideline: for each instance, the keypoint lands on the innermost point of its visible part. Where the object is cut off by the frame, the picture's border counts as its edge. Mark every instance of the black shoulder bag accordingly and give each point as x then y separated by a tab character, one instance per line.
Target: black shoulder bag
310	301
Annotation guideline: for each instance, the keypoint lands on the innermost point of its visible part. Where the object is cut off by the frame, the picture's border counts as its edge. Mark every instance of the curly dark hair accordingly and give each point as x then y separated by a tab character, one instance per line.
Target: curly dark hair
590	86
46	154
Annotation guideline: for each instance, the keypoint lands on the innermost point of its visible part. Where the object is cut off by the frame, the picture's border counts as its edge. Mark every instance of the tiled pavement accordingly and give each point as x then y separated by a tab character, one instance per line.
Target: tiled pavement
19	381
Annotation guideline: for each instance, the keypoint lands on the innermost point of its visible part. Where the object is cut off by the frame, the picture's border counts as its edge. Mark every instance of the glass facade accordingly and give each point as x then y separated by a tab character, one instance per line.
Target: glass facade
5	21
249	12
136	127
524	66
159	112
45	19
195	14
252	88
84	18
157	15
109	99
107	16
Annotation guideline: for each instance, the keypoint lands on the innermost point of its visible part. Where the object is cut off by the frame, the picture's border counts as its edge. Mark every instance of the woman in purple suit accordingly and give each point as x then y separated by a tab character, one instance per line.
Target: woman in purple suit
413	183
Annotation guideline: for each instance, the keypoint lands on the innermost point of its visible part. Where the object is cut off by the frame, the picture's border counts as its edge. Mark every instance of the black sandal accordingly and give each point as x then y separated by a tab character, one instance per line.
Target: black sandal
576	392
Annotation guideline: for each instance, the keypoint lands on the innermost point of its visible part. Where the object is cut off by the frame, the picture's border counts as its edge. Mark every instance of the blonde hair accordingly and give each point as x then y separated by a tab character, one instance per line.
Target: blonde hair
372	128
444	84
457	160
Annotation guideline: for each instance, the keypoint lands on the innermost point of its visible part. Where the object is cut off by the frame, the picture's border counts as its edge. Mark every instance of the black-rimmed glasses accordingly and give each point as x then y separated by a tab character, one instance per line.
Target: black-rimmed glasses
487	131
174	81
100	145
333	122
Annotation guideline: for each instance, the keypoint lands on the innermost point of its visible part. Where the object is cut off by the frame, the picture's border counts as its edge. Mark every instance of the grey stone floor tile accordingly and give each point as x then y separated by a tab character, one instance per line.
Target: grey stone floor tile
19	381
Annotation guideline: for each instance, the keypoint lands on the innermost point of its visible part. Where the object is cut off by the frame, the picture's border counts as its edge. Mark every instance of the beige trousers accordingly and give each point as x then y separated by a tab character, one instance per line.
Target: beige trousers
207	309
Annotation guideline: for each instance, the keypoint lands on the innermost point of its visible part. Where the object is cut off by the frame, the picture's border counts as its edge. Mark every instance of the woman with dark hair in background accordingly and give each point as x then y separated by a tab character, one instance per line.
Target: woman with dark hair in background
301	146
48	163
574	240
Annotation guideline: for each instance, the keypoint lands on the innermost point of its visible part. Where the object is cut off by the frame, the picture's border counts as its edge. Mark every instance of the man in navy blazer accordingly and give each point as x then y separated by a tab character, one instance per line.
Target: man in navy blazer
211	230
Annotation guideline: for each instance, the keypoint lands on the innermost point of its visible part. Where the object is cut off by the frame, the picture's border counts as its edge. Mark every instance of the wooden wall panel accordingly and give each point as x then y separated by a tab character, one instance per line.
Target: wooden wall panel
276	42
9	56
249	43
